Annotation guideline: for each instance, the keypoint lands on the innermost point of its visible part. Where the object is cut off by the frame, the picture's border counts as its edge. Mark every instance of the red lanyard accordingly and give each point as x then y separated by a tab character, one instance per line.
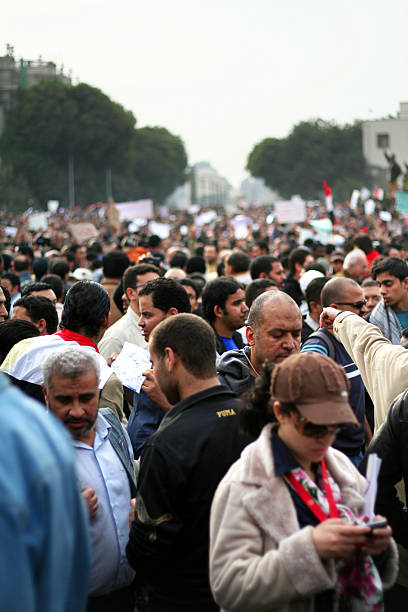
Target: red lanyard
310	501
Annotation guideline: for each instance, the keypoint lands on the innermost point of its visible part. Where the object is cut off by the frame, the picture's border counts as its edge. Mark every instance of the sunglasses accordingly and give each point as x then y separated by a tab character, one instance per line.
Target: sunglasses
311	430
358	305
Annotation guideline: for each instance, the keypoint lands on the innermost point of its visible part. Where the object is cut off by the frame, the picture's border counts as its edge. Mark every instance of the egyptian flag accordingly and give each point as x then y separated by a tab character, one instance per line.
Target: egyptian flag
328	196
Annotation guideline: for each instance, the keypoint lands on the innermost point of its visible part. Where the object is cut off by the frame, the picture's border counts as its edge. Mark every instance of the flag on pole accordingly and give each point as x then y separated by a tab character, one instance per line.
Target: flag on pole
328	196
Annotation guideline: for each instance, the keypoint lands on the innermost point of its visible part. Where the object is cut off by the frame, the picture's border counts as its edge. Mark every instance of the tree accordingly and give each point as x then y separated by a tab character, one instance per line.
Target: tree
313	151
158	161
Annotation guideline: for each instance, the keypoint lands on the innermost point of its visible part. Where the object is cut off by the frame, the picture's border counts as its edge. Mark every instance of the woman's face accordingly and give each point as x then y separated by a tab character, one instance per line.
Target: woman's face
305	449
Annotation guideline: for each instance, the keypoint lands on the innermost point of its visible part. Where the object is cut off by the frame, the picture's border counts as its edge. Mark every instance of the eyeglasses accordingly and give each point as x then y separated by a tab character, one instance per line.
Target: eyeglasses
358	305
138	286
311	430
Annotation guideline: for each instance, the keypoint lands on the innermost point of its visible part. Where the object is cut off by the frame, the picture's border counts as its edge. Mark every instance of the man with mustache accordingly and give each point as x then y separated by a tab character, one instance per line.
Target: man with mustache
273	333
105	471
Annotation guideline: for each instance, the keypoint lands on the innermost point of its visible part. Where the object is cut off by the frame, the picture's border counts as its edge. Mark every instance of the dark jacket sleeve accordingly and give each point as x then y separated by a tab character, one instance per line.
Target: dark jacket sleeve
390	443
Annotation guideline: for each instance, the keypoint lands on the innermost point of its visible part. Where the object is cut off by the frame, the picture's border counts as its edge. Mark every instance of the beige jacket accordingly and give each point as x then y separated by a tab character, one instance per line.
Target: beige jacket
383	366
259	558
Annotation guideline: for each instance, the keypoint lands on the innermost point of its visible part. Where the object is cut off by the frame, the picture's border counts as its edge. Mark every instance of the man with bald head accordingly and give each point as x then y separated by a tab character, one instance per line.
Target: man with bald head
343	294
273	333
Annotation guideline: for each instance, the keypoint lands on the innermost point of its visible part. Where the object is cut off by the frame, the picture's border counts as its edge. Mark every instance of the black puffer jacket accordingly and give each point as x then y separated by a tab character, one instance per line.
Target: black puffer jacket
391	445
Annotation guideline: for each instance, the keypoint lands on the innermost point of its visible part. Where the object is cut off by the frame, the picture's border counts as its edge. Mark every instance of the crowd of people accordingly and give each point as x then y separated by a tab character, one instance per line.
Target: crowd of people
232	477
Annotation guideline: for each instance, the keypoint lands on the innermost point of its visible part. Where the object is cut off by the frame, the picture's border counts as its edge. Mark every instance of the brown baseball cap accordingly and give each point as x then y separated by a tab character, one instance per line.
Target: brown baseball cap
317	385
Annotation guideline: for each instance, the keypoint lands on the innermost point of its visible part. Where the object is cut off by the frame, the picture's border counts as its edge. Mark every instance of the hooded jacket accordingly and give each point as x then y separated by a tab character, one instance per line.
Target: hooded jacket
234	371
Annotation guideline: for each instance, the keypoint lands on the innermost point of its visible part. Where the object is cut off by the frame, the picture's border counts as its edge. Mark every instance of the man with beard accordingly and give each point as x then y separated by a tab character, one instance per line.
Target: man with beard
105	471
182	464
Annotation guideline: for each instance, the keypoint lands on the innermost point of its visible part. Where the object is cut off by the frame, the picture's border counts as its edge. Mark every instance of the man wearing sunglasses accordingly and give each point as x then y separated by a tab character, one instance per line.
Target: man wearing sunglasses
344	294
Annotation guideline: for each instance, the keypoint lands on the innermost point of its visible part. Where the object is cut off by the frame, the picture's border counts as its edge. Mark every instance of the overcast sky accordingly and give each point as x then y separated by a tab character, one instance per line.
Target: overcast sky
224	74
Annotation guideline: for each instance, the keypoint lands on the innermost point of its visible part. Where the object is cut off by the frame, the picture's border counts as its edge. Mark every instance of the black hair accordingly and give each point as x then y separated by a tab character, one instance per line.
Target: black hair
86	306
31	286
21	263
314	289
297	256
216	293
12	331
179	260
199	282
40	267
167	293
114	264
131	275
56	284
363	242
154	241
239	262
7	298
263	245
184	333
393	265
13	278
60	267
188	282
257	287
263	263
196	264
39	307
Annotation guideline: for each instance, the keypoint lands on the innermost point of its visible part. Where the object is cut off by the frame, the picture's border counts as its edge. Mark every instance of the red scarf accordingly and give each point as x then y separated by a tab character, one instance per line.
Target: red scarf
67	335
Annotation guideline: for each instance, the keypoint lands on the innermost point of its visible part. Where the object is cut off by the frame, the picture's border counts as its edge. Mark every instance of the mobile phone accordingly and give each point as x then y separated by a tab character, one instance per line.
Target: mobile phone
377	524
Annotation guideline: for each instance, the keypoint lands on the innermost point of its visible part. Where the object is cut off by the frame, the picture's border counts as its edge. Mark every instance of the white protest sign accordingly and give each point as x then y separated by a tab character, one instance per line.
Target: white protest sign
38	221
160	229
130	210
52	206
354	199
293	211
129	365
81	232
369	207
205	217
385	215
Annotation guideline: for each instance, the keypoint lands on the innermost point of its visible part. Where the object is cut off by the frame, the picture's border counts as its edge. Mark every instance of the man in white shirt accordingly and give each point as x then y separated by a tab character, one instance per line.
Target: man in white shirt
127	328
105	471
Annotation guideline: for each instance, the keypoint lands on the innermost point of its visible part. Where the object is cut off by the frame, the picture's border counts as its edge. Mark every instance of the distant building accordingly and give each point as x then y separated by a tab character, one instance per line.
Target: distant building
255	192
22	74
390	135
204	186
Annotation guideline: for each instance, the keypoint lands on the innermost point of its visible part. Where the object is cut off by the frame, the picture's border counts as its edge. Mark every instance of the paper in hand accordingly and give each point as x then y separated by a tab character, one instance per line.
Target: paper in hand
129	365
373	469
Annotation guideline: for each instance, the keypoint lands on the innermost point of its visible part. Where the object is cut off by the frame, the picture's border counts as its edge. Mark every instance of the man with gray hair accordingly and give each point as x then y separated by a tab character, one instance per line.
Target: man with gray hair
105	469
355	265
273	333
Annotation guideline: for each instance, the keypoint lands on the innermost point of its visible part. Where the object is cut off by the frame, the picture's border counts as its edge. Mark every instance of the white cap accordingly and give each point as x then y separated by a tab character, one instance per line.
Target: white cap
81	274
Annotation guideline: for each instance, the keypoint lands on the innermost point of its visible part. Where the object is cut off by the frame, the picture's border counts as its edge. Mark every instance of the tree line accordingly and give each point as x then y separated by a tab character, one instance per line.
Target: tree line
54	126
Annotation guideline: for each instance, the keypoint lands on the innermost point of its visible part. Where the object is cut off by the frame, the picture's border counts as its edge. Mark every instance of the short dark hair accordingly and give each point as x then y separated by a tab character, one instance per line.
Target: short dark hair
39	307
196	263
258	286
167	293
314	289
114	263
13	278
40	267
369	282
393	265
184	333
60	267
263	263
187	282
199	282
239	262
363	242
21	263
216	293
297	256
131	275
86	305
179	260
263	245
12	331
31	286
55	283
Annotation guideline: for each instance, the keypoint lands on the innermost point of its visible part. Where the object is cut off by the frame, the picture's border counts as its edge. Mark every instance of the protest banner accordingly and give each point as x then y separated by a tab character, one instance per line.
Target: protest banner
82	232
130	210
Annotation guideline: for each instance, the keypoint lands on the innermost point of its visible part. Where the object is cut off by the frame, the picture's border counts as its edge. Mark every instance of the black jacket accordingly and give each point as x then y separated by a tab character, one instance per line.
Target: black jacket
391	445
182	464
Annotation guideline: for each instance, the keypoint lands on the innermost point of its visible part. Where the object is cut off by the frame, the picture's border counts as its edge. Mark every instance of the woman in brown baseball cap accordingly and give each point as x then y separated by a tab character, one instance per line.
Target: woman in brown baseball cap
287	526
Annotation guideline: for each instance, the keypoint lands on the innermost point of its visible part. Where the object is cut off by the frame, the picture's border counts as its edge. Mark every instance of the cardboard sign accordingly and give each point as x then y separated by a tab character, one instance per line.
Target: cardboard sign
130	210
292	211
38	221
82	232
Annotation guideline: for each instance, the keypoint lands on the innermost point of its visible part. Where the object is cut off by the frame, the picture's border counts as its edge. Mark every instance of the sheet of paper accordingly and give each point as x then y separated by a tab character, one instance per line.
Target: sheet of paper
129	365
373	469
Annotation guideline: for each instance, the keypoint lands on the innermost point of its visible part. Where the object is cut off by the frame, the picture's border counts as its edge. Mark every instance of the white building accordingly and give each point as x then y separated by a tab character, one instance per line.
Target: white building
390	135
254	191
